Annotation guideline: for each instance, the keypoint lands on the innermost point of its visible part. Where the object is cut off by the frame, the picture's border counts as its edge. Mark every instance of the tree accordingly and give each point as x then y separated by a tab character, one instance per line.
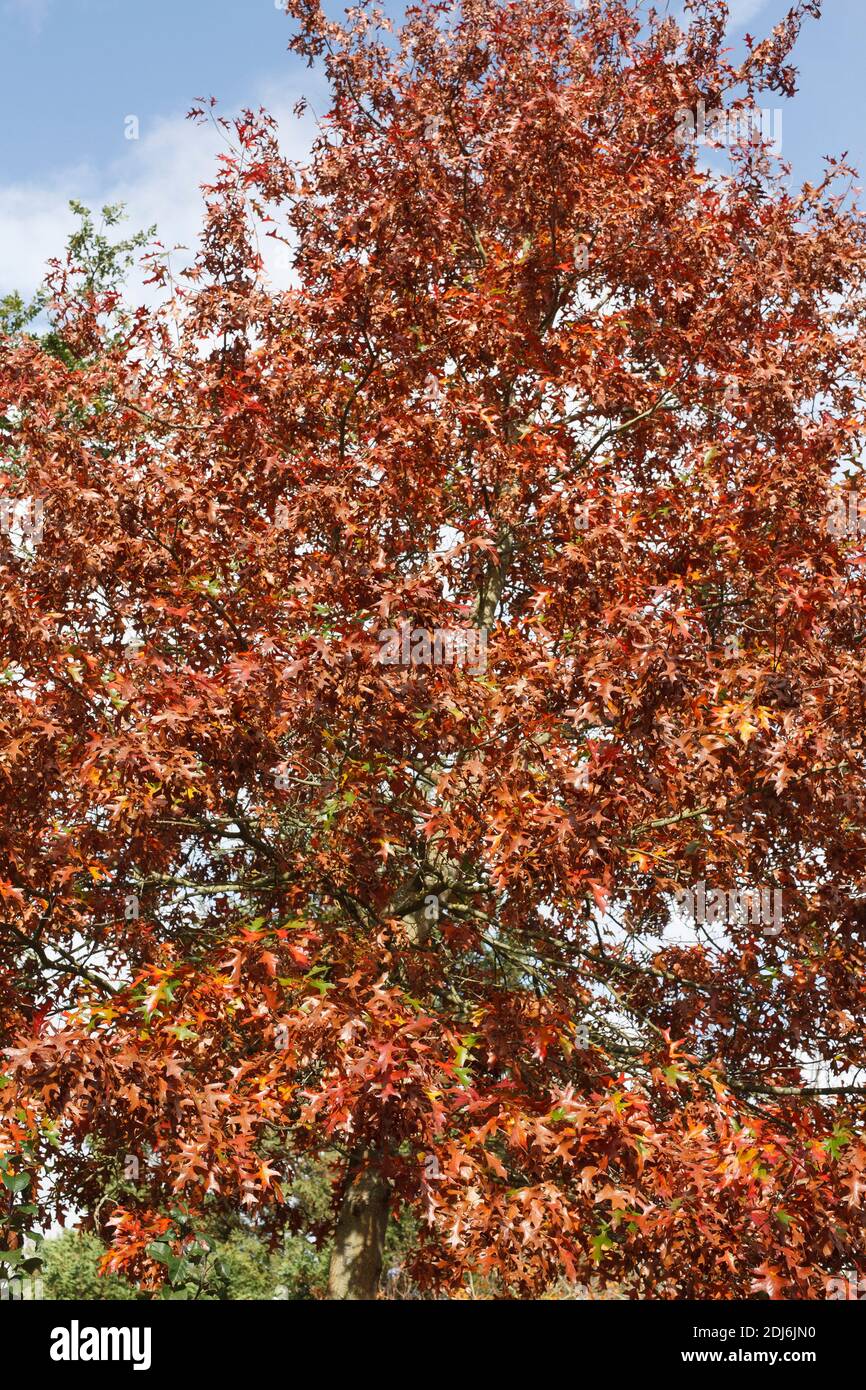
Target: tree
401	648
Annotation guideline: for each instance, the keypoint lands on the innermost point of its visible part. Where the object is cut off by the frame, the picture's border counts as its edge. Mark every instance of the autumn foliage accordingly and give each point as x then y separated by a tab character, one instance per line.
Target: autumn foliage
544	371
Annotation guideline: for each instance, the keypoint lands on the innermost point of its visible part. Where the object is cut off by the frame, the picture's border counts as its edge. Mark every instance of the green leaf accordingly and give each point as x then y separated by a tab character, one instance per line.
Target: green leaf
16	1182
321	985
182	1032
600	1243
160	1250
835	1142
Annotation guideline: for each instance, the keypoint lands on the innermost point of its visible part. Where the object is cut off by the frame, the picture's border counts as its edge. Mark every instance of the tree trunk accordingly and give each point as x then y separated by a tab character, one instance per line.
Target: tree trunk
359	1240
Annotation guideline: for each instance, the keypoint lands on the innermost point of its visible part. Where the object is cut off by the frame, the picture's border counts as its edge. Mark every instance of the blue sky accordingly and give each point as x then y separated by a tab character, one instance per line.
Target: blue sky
73	71
79	66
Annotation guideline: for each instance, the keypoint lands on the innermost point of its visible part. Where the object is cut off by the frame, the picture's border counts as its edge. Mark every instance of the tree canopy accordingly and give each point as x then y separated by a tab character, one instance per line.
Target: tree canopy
284	873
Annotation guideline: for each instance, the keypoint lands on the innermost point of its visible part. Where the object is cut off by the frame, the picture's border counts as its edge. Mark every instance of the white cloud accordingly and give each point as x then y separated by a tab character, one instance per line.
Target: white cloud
34	12
742	11
156	176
